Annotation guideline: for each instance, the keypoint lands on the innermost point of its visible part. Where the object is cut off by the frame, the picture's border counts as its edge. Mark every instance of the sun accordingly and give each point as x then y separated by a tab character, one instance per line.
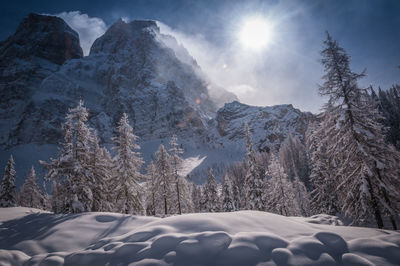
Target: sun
256	33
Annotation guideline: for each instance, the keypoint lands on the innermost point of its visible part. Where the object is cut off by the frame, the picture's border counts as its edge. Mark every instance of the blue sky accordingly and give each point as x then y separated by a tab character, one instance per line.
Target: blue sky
287	71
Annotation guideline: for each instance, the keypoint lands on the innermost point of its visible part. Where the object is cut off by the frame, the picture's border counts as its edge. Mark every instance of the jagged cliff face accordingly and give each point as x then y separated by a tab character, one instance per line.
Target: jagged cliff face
269	125
128	70
36	50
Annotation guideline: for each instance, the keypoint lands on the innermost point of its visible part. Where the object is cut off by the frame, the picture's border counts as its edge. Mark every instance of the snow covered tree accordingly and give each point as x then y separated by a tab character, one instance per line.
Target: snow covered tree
46	200
164	181
281	197
388	103
29	194
196	198
366	168
101	168
71	169
253	181
227	197
293	158
8	196
324	196
237	173
210	198
127	163
183	199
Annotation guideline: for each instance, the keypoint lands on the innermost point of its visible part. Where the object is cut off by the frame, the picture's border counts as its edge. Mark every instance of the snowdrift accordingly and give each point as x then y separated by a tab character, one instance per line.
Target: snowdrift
32	237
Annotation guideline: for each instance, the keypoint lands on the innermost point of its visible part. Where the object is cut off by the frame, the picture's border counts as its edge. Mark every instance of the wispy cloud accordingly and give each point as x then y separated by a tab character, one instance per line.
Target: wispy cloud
277	75
88	28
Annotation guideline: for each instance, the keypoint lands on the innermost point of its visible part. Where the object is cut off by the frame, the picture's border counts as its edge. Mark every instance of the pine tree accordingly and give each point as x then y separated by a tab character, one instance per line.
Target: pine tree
366	167
210	198
164	179
253	181
227	197
281	195
8	197
29	194
127	169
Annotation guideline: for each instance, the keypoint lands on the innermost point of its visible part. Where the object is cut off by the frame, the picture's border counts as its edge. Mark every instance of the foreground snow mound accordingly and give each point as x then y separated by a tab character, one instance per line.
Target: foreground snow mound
239	238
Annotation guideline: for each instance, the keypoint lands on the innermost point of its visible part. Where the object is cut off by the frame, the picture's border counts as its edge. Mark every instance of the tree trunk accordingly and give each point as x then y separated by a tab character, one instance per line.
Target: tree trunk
165	206
179	198
378	216
385	196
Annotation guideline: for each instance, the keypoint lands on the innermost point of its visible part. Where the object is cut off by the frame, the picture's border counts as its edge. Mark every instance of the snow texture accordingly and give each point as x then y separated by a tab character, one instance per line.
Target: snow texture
238	238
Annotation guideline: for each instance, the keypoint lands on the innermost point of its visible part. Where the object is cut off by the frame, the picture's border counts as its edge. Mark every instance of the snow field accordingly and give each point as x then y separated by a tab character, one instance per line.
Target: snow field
237	238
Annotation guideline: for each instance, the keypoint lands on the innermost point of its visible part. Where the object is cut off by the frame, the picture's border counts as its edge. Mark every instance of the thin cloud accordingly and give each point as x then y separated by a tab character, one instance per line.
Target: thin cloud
88	28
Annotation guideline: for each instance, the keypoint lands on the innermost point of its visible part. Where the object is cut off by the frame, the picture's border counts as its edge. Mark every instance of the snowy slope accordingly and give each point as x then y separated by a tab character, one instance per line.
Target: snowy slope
239	238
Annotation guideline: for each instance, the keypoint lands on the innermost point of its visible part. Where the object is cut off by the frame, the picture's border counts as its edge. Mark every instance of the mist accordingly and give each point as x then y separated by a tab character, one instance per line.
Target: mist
282	73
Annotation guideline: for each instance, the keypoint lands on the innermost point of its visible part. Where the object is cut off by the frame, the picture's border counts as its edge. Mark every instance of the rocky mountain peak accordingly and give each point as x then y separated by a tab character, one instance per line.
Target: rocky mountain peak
45	37
122	35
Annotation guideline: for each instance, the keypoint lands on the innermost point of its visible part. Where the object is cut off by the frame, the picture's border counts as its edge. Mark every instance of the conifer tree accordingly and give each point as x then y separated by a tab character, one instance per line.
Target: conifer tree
29	194
101	168
253	181
366	167
196	198
324	198
164	181
210	198
8	197
227	194
293	158
281	195
127	163
71	168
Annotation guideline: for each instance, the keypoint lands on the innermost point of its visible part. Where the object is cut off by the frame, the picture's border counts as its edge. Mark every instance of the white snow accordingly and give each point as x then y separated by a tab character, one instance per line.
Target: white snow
237	238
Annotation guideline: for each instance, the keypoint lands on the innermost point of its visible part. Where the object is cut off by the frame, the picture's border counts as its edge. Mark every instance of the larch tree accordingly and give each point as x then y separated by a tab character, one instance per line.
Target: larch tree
29	194
366	167
127	162
324	198
70	169
253	181
8	195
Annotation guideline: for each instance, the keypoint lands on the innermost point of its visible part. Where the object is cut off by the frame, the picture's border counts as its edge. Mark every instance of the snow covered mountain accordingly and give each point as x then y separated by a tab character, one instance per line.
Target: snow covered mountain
132	68
269	125
38	48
